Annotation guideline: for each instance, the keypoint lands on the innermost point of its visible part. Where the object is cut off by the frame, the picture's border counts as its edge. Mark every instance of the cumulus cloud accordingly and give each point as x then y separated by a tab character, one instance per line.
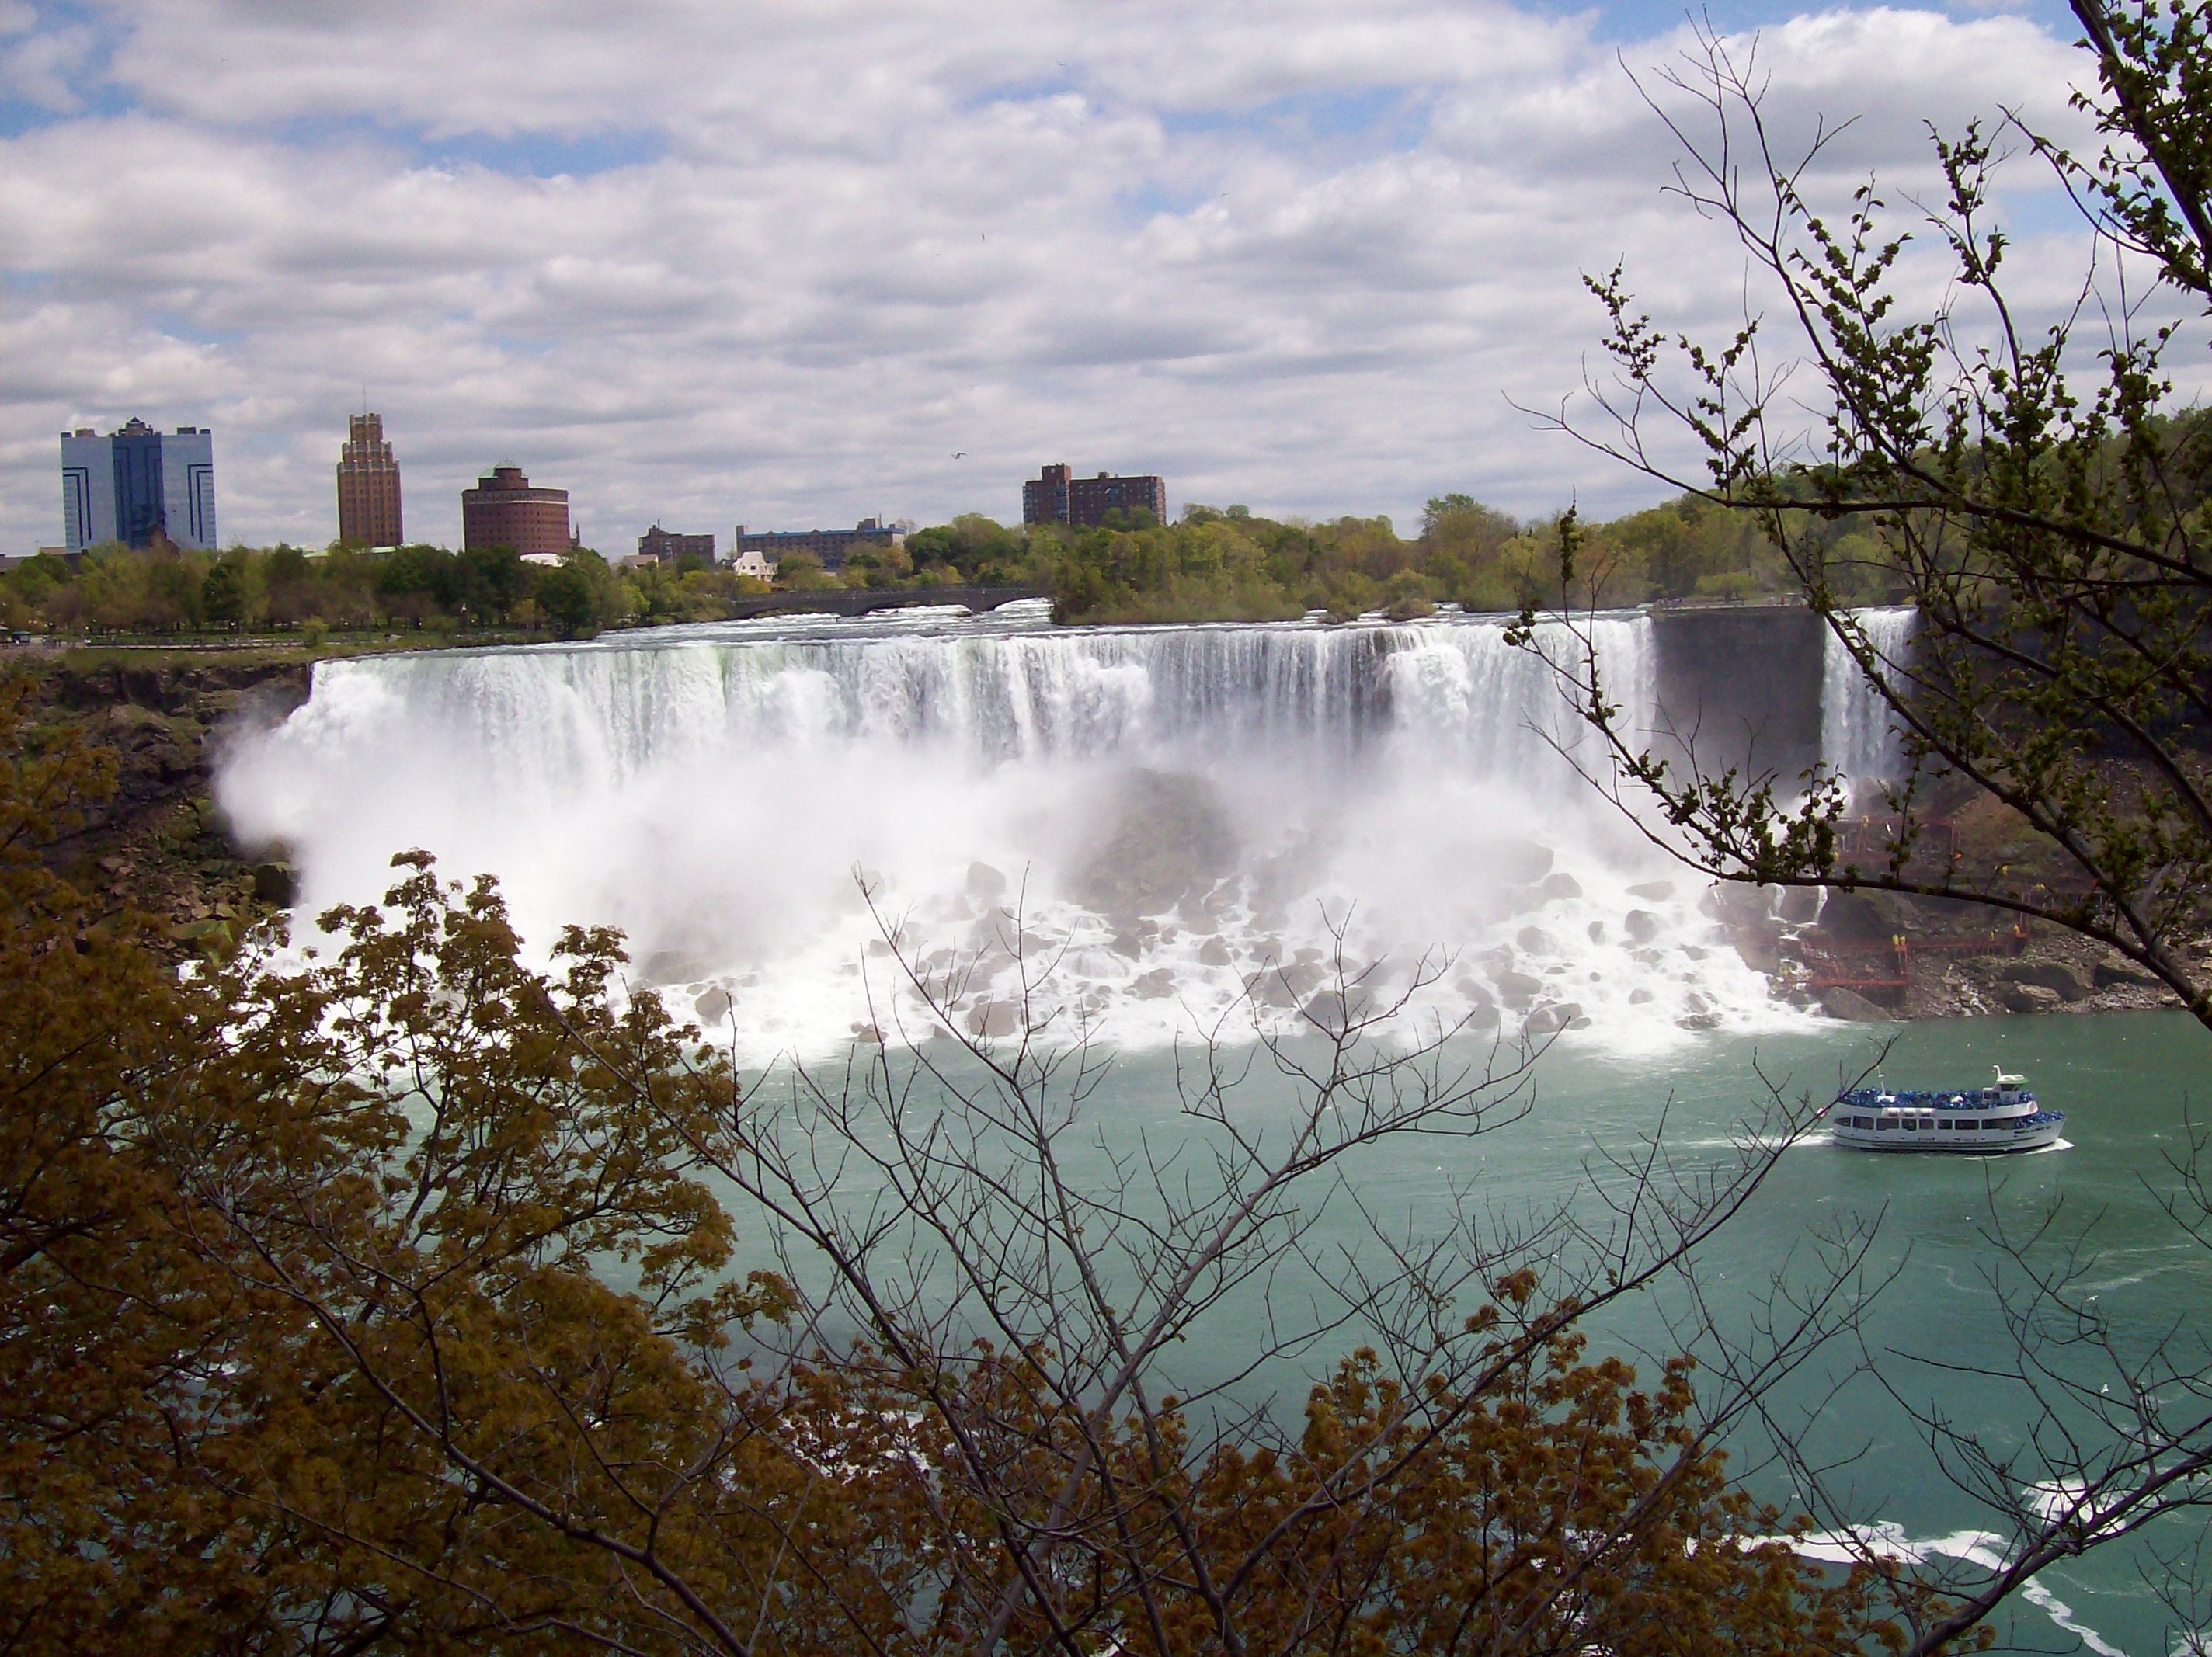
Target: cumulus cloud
780	263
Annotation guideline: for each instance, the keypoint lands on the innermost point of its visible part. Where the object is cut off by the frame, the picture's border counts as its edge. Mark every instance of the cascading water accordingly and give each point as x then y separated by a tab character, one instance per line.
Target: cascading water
1858	734
1182	820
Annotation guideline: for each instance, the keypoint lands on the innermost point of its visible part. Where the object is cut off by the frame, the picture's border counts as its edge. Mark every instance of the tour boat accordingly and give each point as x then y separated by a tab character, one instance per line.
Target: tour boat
2004	1117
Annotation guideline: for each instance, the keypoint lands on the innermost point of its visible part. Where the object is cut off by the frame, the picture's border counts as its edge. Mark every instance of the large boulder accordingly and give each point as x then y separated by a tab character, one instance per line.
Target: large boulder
992	1019
1560	887
1641	925
2030	998
2112	974
1517	990
1840	1003
1551	1019
2062	978
1334	1013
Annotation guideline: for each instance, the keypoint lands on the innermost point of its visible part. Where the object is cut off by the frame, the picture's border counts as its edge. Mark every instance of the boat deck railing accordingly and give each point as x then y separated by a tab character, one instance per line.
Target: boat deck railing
1869	1099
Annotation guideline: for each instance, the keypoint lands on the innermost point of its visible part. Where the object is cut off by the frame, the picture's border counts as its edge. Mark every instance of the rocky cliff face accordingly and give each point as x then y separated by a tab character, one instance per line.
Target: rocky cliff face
158	842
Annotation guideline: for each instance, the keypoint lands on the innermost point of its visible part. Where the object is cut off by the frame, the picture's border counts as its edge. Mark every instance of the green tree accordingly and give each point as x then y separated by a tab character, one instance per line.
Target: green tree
571	598
800	572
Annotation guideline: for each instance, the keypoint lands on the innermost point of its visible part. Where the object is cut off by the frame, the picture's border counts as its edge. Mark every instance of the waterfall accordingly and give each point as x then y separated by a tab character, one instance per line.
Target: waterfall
1187	818
1858	737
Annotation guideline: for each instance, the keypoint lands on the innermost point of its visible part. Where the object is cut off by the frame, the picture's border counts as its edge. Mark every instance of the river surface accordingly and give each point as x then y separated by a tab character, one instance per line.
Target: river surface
1167	831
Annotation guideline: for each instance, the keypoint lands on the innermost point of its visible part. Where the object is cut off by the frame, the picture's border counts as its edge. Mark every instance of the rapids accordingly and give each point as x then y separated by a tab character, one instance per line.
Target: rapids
1159	829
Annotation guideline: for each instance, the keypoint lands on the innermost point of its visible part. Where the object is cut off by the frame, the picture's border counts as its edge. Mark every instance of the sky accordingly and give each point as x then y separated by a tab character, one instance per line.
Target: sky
789	263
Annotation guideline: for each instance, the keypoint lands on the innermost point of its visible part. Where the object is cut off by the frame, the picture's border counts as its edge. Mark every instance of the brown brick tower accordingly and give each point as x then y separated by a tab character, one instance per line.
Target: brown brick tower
504	510
368	486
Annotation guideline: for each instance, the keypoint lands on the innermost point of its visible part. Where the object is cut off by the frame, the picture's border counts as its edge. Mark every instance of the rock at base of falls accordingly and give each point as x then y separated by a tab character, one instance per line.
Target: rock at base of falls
1335	1013
1171	846
1840	1003
713	1006
1560	887
1213	953
992	1019
1284	987
1554	1016
1518	990
1534	940
1155	985
1653	891
1641	925
985	883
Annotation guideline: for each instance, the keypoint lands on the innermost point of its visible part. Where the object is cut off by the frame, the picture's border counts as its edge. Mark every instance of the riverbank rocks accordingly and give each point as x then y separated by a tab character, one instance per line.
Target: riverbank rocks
1641	925
713	1006
985	883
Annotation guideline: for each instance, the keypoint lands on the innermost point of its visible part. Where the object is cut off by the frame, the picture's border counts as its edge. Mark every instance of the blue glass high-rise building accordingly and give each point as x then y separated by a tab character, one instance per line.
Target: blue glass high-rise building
137	482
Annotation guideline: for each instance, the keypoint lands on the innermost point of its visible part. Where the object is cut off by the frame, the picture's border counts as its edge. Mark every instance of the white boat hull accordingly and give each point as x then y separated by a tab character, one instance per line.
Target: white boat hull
1926	1140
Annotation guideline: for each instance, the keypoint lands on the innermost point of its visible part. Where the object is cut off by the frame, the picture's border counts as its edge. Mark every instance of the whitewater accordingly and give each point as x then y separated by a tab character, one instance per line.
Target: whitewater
1135	833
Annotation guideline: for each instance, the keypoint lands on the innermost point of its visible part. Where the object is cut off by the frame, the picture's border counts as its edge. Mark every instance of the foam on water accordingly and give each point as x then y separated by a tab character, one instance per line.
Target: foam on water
1173	811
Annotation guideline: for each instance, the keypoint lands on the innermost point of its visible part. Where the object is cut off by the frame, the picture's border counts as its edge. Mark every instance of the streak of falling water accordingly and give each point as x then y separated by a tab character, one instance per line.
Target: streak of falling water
1857	732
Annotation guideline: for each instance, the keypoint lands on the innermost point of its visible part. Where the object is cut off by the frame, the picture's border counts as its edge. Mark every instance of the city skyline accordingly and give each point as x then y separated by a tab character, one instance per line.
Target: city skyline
1282	257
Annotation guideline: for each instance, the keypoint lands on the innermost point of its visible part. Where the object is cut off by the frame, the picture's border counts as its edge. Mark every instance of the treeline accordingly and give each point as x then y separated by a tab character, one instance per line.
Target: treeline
171	590
1214	564
1227	564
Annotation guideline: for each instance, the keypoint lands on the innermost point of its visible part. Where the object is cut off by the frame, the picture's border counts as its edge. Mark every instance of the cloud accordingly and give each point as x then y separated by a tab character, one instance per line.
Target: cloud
779	263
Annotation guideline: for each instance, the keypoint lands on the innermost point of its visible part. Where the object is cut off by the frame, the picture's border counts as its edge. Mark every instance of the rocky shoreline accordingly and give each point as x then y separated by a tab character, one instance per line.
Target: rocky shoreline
1870	956
158	843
